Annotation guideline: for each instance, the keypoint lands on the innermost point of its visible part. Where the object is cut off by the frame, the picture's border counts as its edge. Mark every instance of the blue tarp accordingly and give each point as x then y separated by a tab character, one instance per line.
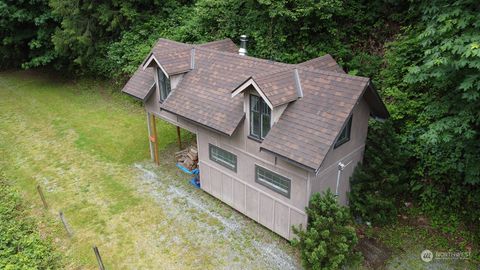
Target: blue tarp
194	171
194	181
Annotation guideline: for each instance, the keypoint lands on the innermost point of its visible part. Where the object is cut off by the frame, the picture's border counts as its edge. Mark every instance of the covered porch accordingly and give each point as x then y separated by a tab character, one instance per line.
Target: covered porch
187	155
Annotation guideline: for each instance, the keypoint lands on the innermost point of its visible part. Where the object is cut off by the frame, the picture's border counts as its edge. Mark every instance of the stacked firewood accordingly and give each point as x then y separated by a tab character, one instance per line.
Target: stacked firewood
188	158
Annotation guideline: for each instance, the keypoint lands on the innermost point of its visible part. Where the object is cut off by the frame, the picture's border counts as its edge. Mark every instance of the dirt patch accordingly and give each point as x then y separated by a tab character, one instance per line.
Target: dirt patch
375	253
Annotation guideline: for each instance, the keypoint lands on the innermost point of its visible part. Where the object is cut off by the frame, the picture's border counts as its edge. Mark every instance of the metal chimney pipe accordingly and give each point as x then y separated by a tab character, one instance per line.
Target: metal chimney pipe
243	45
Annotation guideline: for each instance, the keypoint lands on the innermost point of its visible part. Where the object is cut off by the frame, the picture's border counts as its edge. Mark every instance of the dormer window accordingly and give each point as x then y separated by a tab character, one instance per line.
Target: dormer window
260	116
163	84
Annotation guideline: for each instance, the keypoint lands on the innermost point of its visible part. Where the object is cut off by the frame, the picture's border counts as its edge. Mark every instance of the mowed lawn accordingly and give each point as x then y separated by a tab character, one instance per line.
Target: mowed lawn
88	150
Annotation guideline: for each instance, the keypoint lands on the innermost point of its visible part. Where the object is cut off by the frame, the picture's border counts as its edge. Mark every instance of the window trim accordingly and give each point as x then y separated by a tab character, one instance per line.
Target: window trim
347	129
167	85
220	161
261	108
272	186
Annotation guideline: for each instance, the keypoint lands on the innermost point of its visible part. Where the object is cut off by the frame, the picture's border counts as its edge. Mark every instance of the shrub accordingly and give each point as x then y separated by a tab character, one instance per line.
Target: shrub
329	239
379	185
21	246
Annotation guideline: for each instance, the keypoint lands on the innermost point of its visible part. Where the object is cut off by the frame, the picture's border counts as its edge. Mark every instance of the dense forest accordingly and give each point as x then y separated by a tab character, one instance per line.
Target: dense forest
423	57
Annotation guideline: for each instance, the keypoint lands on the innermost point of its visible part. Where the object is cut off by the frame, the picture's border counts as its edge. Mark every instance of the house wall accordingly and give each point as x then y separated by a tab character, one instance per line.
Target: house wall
350	153
239	189
152	103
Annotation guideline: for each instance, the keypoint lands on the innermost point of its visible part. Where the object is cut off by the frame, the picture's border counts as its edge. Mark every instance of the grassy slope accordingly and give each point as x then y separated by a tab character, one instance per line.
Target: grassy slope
75	144
80	146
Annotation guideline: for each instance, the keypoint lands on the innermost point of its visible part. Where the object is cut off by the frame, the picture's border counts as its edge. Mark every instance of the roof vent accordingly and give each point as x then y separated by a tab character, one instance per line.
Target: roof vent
298	85
243	45
192	58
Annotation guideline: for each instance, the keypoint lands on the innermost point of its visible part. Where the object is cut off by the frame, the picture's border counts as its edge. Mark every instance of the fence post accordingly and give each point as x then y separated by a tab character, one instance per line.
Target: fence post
99	258
40	192
65	224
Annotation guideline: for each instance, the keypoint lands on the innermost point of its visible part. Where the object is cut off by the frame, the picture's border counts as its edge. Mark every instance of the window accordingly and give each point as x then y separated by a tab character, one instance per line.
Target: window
272	181
222	157
260	115
163	84
345	134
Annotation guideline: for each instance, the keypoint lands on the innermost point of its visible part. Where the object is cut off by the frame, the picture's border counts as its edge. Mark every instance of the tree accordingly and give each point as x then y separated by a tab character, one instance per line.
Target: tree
328	241
380	184
26	27
88	27
432	85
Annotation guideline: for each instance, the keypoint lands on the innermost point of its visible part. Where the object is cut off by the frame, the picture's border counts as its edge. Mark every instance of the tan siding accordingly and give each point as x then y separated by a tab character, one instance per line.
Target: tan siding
227	189
152	103
349	152
239	189
252	203
282	219
266	211
239	196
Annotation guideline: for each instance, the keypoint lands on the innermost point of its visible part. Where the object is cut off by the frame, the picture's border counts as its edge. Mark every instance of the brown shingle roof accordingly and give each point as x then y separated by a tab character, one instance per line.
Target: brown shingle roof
173	61
279	86
325	62
309	125
224	45
140	84
204	95
175	57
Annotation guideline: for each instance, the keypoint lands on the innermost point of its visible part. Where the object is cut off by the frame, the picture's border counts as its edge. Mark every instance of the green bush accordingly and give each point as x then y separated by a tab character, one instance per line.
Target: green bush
380	184
21	246
329	239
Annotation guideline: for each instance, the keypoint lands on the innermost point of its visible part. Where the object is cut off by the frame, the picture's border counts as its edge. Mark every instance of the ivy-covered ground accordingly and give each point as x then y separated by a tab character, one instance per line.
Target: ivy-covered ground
87	149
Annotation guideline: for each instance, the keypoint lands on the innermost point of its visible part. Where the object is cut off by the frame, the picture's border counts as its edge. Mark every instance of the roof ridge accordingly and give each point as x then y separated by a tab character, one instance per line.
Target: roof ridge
270	72
175	50
199	46
172	41
318	58
246	57
286	65
251	58
215	41
332	73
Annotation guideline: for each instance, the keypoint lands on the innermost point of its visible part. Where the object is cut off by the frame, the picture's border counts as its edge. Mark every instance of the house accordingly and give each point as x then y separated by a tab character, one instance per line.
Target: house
269	134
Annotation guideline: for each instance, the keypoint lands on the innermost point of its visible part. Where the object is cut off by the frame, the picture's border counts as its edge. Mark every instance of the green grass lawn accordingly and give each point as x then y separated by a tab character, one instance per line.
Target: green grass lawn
88	149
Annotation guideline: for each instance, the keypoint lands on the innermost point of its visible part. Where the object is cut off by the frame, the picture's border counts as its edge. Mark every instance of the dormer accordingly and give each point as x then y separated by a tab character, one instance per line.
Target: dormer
169	68
266	97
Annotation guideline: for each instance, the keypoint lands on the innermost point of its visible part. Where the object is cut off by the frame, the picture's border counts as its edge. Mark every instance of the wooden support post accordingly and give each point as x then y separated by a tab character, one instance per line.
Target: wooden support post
40	192
99	258
179	138
154	139
150	143
65	224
